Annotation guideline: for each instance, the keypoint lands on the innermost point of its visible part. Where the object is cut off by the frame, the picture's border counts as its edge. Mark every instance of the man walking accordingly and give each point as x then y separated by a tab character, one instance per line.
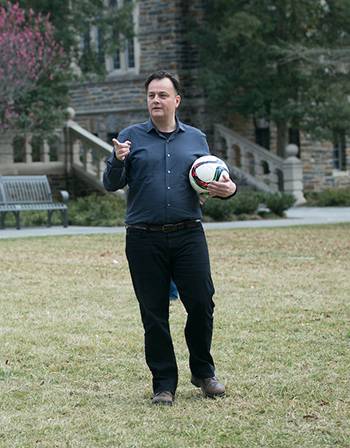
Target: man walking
165	238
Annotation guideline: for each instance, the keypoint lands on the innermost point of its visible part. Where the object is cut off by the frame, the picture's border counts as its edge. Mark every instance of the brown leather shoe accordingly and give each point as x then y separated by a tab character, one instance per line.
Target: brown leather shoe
166	398
210	386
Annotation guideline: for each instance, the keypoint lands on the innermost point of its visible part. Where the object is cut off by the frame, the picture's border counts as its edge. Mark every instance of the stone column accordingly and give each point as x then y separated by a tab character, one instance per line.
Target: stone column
88	160
28	149
293	174
6	148
45	155
76	152
101	168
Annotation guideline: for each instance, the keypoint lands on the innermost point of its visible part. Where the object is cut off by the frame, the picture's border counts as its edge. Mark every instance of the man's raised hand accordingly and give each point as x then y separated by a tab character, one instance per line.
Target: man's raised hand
121	150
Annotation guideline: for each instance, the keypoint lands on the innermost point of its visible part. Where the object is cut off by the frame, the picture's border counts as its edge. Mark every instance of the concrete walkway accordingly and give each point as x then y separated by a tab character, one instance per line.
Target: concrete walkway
296	216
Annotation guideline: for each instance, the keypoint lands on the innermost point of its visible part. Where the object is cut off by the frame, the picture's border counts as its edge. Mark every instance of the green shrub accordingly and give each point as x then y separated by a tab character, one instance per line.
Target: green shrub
109	209
278	203
330	197
97	210
94	210
245	203
217	209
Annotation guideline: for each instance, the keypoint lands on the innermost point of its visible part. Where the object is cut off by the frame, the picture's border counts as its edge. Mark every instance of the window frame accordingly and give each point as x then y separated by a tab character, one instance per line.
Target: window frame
123	50
339	151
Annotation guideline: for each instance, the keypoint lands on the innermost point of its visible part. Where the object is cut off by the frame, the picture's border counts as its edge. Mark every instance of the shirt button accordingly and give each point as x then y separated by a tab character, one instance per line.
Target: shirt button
168	155
168	205
169	171
169	188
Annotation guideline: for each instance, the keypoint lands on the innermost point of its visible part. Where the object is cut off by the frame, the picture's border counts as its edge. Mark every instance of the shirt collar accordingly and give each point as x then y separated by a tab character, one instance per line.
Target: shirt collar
179	125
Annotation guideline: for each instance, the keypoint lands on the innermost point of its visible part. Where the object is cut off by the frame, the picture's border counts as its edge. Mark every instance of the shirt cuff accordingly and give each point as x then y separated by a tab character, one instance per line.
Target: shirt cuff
231	196
115	163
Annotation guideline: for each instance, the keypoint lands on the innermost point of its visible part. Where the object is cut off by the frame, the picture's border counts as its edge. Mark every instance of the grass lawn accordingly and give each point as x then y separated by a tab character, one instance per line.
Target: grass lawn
72	370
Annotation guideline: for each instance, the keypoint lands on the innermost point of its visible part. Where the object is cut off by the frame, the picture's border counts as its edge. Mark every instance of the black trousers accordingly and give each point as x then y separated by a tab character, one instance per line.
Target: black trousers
154	258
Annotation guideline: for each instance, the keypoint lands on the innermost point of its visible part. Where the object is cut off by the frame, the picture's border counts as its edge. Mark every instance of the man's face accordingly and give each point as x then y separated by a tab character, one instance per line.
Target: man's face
162	99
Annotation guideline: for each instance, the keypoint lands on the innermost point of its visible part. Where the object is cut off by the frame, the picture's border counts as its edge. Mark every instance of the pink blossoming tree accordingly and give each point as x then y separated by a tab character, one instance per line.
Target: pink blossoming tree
32	68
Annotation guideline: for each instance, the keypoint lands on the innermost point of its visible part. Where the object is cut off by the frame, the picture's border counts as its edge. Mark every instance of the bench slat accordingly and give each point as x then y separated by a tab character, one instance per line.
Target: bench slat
26	193
26	190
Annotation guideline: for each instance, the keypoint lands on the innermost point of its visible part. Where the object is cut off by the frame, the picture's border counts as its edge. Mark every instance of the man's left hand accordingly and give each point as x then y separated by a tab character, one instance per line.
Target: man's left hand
222	188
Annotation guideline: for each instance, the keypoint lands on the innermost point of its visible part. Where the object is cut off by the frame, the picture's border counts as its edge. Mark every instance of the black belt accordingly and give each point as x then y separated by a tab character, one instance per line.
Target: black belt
165	227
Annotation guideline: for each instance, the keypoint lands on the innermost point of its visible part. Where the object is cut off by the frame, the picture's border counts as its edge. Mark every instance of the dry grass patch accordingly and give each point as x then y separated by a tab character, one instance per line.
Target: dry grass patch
72	372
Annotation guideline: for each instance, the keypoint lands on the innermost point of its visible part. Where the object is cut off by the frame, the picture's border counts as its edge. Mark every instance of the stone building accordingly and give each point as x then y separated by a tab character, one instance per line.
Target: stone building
161	42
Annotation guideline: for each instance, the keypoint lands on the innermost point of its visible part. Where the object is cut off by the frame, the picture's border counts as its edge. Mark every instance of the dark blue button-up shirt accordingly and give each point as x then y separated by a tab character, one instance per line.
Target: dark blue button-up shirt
156	172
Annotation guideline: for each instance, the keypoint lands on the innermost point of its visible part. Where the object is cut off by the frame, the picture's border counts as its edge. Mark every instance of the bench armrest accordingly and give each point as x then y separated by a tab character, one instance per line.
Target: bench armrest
64	195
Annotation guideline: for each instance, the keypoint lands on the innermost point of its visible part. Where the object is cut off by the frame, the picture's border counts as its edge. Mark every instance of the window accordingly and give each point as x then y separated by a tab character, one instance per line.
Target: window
262	137
125	58
131	53
116	61
262	132
339	150
100	46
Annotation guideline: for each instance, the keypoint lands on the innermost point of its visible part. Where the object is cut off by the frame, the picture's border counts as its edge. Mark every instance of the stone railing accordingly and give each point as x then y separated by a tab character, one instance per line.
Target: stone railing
72	149
86	152
19	155
259	167
75	150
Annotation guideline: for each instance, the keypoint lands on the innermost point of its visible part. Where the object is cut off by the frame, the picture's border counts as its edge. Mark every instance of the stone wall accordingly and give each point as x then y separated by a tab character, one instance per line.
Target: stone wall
319	172
317	157
106	107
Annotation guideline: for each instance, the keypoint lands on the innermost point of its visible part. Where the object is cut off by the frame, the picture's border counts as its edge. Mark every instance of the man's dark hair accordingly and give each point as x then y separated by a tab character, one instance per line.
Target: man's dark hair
160	74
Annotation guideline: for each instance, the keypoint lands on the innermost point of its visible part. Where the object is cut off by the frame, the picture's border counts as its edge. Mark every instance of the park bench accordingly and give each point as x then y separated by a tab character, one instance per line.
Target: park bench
29	193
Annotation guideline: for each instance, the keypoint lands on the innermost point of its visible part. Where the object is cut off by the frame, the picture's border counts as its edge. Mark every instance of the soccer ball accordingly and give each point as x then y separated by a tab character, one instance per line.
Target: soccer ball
205	170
